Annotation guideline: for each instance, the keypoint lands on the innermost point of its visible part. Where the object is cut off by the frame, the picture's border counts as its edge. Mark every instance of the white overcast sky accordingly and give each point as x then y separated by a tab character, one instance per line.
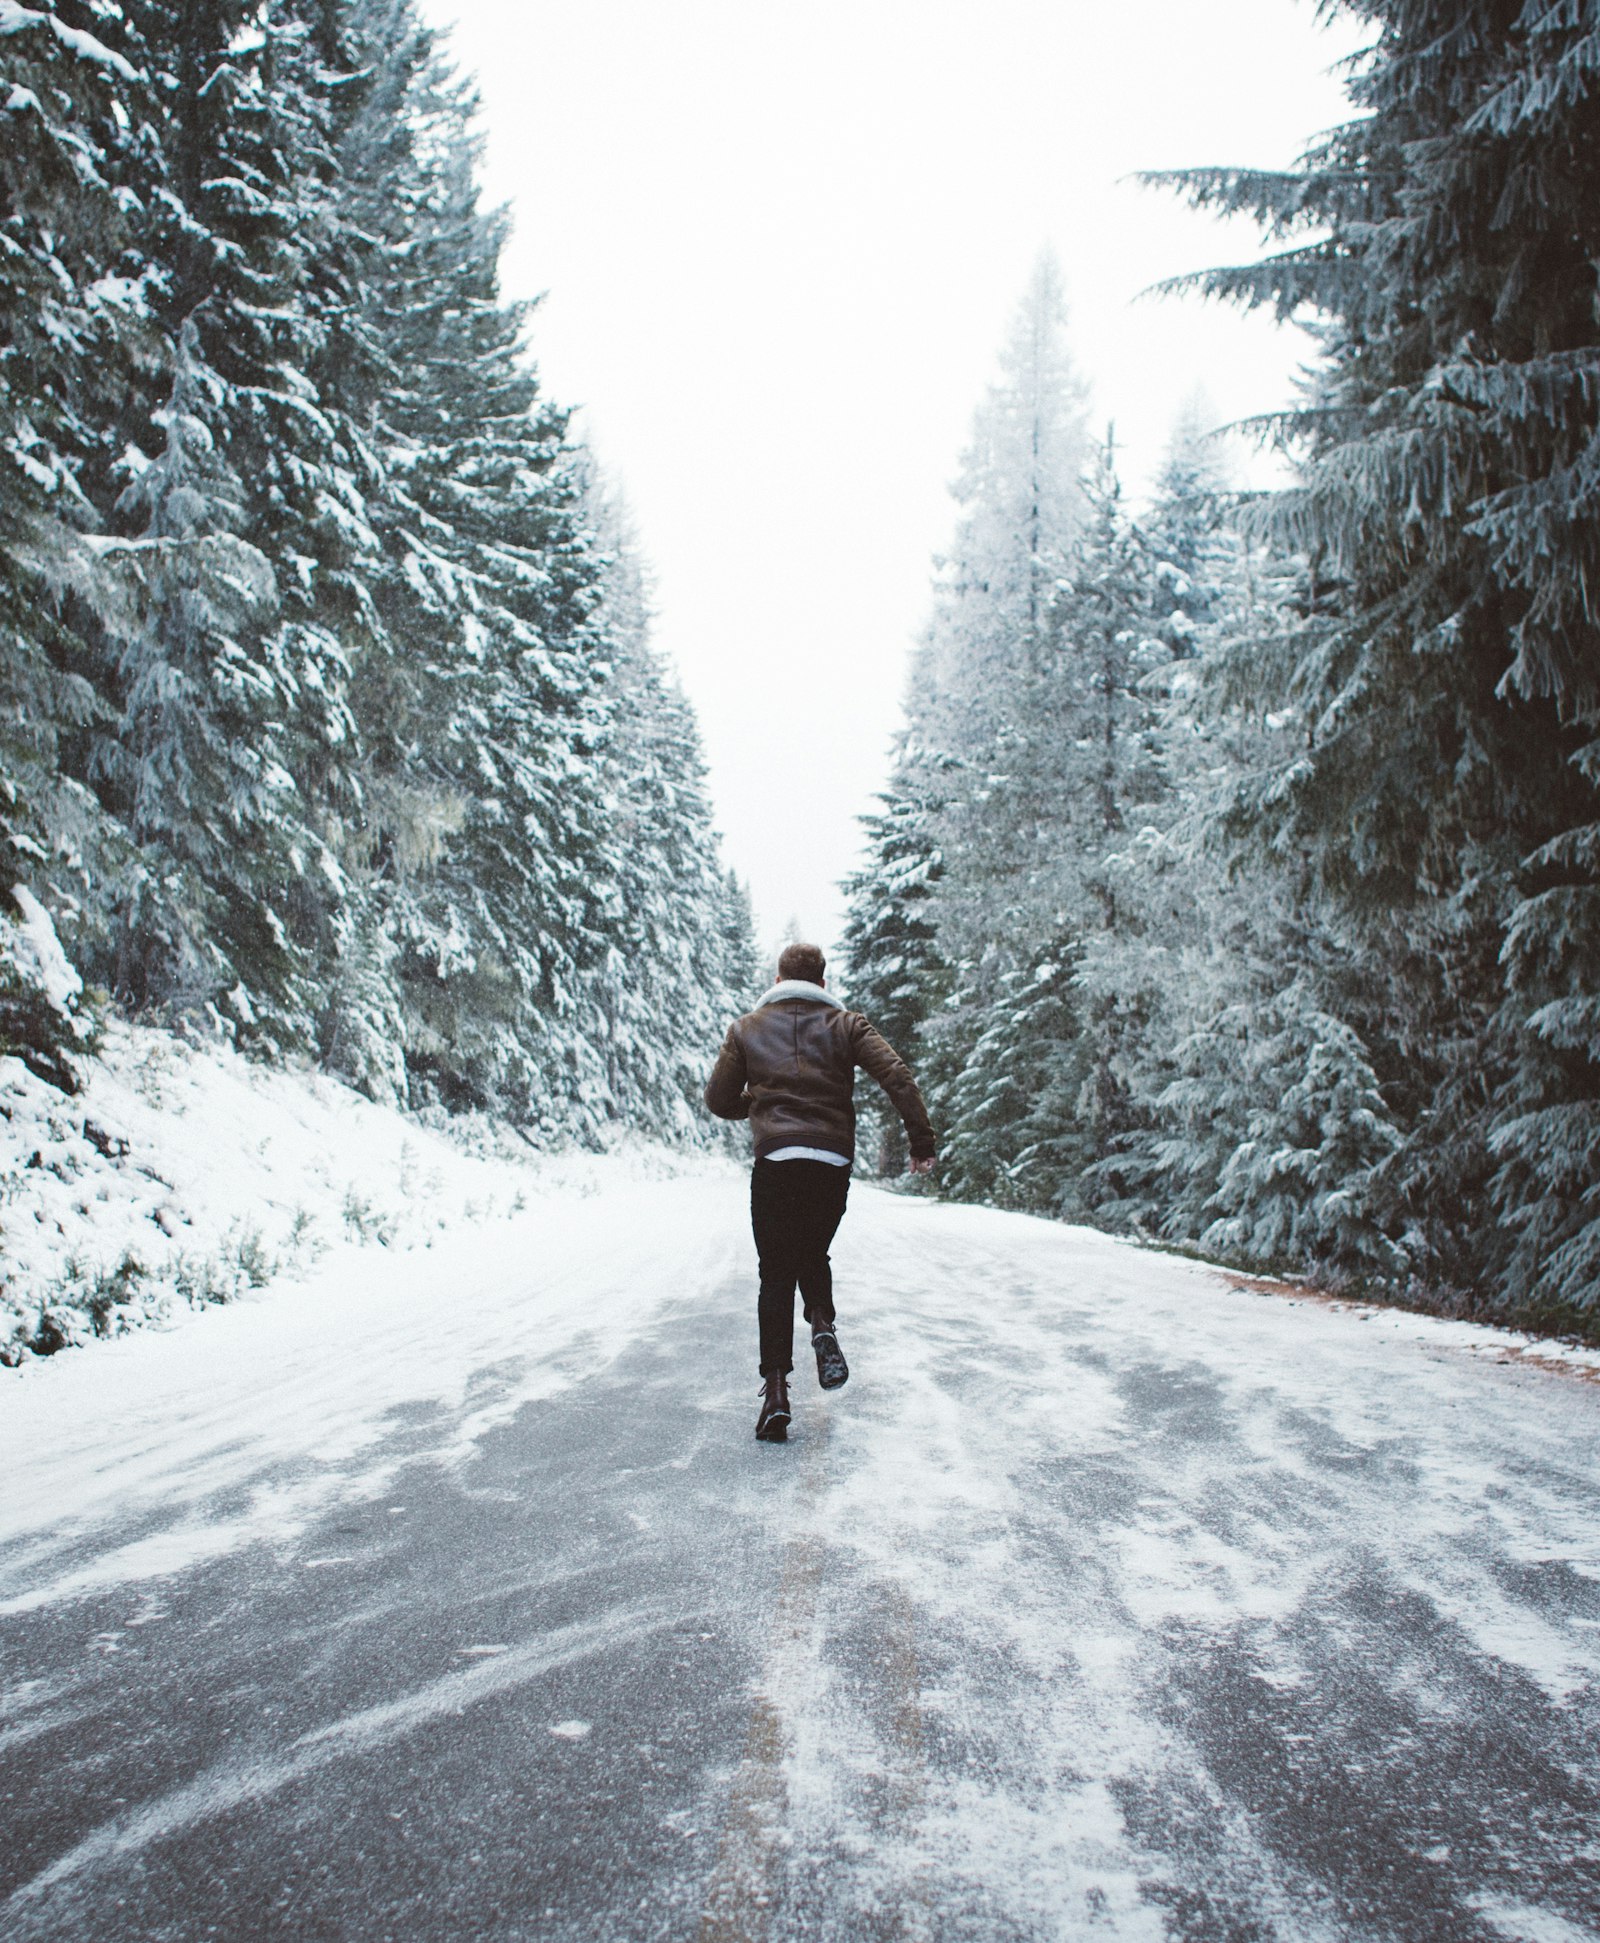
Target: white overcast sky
780	245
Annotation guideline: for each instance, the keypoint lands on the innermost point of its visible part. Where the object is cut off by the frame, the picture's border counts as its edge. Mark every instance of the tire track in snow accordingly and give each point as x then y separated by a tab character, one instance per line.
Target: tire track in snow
225	1787
747	1879
750	1884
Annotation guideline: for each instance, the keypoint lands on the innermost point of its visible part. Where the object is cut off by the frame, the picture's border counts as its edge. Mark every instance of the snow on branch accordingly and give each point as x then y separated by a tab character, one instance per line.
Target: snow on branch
16	19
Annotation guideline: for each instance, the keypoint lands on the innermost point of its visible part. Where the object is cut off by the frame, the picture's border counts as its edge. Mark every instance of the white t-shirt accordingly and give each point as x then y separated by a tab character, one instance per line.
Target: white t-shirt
809	1153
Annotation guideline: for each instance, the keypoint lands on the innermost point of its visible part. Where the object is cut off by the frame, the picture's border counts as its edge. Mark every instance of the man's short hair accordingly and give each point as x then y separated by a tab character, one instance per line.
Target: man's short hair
802	961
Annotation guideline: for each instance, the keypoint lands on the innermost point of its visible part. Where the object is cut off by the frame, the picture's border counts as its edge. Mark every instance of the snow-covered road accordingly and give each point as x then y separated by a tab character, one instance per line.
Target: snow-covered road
449	1596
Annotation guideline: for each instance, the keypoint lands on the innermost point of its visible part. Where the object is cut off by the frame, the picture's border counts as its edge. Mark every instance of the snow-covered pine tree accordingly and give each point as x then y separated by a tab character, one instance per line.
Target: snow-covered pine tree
1017	1133
1019	490
969	698
229	175
315	471
195	771
896	974
746	969
1304	1184
1271	1140
73	337
1445	793
893	969
1546	1137
963	770
484	716
673	974
1191	532
1249	1094
402	809
1155	967
1537	381
1083	764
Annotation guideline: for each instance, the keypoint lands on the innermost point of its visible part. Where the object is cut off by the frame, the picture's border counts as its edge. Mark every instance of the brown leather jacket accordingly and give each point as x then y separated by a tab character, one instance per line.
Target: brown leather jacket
789	1067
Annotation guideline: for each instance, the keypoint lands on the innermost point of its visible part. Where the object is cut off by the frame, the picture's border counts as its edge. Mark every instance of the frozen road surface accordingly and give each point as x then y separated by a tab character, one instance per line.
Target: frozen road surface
448	1595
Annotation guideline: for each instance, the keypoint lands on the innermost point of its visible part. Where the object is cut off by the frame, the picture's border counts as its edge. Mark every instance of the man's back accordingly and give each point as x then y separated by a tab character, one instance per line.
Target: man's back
790	1065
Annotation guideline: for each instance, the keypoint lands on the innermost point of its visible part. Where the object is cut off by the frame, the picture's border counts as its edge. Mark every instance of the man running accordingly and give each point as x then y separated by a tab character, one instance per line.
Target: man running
789	1067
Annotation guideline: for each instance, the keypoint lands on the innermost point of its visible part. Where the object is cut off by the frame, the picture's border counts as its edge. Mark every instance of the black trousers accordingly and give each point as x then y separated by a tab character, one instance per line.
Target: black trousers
795	1208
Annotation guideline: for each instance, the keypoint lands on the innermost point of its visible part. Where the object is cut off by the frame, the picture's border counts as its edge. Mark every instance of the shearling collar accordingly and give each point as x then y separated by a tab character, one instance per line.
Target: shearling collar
796	988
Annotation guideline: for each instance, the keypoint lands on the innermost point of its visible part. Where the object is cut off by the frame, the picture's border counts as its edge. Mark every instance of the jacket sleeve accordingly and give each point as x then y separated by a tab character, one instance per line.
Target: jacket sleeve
725	1090
876	1056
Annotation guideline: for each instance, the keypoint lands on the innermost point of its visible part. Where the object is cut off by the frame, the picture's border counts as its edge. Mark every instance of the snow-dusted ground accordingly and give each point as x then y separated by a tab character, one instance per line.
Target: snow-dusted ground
443	1592
185	1174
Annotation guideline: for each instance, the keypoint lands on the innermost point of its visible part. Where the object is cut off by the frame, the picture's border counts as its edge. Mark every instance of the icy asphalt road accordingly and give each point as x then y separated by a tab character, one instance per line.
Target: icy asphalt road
452	1598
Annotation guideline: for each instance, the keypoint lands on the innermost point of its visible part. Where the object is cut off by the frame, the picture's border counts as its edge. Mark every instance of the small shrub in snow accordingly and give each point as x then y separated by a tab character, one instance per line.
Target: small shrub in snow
365	1222
55	1330
108	1295
305	1243
241	1264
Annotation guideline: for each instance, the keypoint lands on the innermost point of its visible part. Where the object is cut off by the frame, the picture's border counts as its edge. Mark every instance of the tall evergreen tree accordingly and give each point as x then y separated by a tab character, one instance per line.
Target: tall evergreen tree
1445	791
678	959
229	174
746	972
1082	763
481	835
196	769
74	338
1020	491
1253	1123
895	971
961	891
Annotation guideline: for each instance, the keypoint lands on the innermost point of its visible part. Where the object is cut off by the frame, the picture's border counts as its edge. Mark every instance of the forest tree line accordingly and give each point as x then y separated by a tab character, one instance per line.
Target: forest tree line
329	715
1238	879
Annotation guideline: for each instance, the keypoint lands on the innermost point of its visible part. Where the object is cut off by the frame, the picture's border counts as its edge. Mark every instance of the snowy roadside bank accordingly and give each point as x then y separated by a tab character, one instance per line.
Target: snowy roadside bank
1556	1355
184	1176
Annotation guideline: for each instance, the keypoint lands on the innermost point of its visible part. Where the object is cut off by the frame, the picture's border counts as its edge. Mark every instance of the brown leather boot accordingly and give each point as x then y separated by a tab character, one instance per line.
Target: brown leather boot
772	1426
